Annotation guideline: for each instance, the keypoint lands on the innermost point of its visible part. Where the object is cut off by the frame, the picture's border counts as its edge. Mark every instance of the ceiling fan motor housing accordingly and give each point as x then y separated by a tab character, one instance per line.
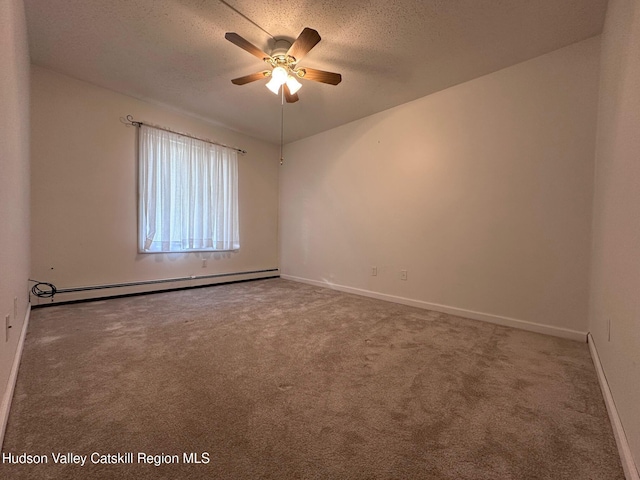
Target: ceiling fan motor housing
279	57
281	48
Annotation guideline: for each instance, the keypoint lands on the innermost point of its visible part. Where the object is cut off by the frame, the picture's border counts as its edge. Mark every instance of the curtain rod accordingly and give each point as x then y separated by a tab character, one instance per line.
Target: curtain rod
139	124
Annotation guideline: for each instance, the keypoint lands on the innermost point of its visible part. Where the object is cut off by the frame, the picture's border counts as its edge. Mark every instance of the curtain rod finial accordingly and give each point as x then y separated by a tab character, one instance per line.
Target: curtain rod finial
132	121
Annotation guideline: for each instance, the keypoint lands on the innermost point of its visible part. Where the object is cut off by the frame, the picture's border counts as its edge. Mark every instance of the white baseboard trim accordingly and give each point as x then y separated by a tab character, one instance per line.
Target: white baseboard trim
460	312
628	465
13	376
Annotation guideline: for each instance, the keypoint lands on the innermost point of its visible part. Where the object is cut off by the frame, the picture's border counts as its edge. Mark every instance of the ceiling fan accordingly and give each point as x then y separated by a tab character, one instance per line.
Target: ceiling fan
283	61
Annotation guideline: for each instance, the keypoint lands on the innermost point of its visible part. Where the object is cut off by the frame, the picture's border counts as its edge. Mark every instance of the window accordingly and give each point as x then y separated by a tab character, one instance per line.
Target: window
188	194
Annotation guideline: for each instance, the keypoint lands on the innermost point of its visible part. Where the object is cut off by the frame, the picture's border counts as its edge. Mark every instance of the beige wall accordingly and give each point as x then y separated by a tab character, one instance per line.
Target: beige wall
615	282
84	210
14	180
482	192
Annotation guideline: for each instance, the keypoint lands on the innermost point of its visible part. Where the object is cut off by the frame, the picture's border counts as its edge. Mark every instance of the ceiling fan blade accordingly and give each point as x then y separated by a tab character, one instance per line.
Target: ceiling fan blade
249	78
245	45
308	39
321	76
291	98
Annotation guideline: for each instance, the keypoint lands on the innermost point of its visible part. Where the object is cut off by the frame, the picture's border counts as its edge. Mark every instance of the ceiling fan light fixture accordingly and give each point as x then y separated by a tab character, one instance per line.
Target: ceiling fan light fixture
293	84
278	78
274	85
280	74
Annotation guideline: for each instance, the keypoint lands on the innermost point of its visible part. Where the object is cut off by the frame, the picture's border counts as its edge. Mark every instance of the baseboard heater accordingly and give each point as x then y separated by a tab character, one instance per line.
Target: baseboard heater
164	280
274	271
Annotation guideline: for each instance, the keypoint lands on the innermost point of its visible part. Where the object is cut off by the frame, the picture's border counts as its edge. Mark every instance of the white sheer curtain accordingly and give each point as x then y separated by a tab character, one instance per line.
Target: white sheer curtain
188	194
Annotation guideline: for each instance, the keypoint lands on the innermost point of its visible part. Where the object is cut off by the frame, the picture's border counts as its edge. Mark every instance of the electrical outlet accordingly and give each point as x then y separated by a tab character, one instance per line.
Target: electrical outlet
7	323
403	274
15	307
204	263
374	271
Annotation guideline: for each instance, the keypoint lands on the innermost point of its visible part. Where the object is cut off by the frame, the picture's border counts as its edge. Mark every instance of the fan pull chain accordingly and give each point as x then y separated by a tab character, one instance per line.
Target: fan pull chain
281	125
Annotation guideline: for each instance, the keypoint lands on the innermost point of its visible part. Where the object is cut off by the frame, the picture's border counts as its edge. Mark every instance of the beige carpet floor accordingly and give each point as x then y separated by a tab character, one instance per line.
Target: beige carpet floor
281	380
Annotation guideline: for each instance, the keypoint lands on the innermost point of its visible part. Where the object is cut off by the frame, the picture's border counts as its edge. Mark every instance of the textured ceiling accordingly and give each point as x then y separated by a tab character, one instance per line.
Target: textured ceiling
173	52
